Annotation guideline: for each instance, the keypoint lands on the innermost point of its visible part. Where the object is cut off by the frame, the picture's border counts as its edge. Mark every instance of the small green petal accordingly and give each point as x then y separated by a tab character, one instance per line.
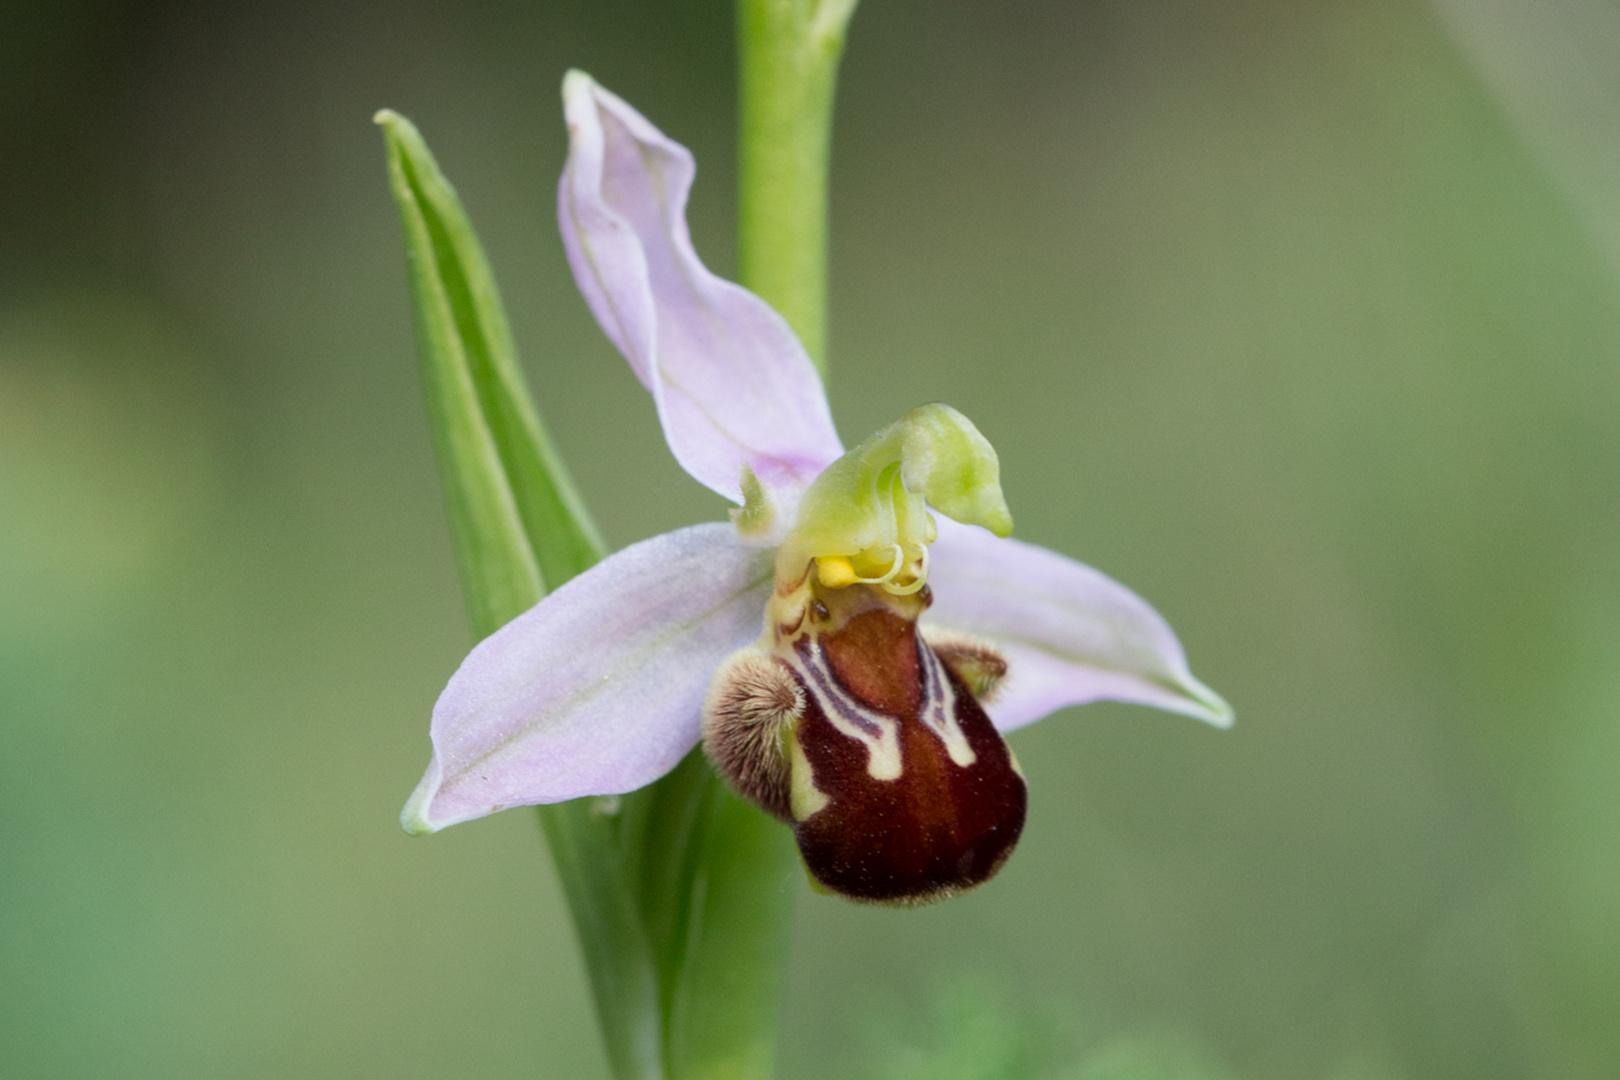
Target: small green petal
757	515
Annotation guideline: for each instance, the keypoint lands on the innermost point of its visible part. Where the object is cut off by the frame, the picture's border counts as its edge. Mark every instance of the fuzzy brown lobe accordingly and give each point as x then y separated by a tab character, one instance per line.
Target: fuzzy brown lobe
937	829
752	701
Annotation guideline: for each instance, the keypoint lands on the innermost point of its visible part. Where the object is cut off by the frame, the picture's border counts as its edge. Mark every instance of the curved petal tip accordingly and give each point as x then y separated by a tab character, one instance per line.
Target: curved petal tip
1201	703
414	817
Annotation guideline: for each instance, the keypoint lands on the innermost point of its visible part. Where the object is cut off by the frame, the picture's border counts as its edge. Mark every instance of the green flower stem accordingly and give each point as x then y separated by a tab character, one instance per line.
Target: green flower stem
788	67
723	988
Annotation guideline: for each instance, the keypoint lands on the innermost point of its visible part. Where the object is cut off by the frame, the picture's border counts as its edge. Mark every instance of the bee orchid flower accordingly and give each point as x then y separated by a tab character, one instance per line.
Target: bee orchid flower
849	659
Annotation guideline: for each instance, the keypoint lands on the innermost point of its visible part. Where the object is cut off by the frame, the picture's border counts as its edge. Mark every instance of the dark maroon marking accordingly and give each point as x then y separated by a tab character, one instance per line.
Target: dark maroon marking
822	687
874	657
939	828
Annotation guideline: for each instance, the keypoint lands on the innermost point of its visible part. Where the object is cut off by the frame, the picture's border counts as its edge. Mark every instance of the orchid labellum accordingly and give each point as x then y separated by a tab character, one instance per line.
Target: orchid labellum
849	660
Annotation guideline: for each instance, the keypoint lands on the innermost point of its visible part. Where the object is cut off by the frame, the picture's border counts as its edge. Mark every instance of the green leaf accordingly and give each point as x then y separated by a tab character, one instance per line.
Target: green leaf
622	963
682	896
724	999
516	523
494	456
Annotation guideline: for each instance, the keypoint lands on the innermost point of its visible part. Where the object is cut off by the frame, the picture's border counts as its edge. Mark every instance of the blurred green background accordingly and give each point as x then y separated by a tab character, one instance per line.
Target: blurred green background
1301	319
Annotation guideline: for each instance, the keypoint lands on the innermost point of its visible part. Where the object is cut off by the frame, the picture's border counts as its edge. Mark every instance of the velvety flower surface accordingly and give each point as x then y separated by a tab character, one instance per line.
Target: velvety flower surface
833	598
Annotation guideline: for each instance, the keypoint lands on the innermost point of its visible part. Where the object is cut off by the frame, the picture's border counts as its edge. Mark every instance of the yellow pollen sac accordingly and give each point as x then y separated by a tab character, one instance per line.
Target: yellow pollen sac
836	571
888	569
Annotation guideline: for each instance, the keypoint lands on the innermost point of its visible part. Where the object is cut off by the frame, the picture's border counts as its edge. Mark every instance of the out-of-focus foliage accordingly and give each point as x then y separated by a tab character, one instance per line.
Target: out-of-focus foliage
1146	1058
972	1030
1276	312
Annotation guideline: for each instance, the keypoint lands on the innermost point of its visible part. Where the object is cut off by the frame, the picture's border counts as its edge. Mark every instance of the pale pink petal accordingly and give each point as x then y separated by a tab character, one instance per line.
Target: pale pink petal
731	383
1070	634
596	690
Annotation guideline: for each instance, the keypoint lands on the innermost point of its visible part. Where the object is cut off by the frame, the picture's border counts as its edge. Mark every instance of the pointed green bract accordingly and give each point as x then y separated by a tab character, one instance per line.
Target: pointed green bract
472	378
499	574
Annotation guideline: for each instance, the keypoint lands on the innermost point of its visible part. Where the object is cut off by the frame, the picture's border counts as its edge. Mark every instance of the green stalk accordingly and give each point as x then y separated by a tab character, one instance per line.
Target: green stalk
788	68
729	927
